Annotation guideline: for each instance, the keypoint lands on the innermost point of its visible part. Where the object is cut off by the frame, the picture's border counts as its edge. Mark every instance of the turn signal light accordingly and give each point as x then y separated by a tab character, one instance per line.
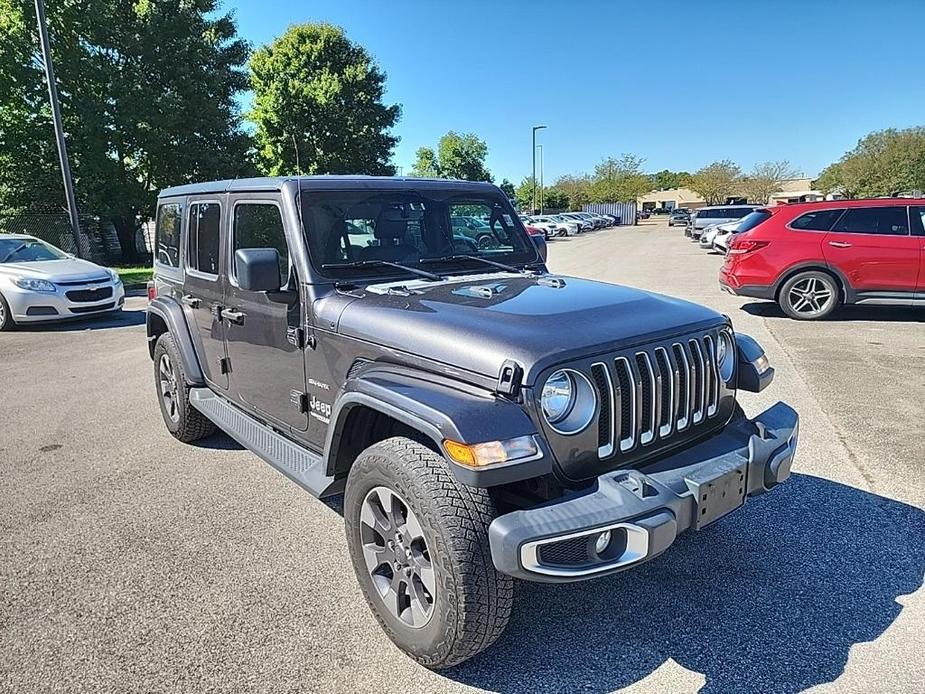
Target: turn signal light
152	291
491	452
744	246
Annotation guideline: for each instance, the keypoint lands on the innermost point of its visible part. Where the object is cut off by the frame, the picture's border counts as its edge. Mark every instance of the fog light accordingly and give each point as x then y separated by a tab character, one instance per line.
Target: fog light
602	541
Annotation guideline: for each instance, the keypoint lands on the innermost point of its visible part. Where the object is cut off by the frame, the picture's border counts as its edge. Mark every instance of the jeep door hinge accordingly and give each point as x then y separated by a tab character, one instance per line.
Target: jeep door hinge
299	400
224	365
509	378
296	336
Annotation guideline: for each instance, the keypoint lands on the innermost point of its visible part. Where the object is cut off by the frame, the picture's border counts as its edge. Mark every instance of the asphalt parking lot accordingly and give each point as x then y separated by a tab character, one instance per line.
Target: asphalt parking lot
130	562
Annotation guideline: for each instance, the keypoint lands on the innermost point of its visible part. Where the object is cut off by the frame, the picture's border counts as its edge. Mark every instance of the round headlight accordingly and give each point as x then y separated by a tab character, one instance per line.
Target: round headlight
568	401
725	356
558	396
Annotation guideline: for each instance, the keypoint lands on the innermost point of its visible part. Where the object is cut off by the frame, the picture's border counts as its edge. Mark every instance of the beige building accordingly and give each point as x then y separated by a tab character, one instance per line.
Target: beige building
792	190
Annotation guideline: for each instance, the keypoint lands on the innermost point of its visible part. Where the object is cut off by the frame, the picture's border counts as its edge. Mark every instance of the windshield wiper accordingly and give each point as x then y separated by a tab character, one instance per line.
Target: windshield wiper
383	263
463	256
13	252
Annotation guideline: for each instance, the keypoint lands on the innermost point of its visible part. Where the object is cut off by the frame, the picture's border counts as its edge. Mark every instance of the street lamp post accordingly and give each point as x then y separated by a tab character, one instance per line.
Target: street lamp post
542	186
535	128
56	120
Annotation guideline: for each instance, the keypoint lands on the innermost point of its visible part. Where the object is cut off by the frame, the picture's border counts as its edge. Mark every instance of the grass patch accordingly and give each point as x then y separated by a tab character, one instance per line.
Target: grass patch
134	275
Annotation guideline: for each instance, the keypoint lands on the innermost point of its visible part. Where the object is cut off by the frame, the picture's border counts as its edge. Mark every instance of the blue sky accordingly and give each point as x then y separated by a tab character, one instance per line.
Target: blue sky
678	83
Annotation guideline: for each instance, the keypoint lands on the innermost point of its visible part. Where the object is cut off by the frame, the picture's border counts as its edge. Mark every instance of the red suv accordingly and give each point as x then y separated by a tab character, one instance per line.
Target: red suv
810	257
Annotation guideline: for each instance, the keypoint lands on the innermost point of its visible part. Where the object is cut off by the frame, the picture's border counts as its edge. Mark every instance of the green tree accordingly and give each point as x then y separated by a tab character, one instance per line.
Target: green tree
619	180
555	199
148	98
426	165
458	155
577	189
717	181
318	105
885	162
507	188
765	180
832	181
524	194
665	179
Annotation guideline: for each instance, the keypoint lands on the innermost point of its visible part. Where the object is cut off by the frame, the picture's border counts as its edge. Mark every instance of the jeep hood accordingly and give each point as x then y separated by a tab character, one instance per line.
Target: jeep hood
477	323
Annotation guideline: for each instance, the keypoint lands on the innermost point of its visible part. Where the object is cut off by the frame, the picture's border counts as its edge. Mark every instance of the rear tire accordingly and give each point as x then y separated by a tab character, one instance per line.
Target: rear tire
183	421
441	526
6	316
811	295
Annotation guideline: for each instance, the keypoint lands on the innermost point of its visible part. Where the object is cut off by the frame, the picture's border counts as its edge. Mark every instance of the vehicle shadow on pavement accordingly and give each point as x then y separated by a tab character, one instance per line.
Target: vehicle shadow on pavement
769	599
892	314
124	319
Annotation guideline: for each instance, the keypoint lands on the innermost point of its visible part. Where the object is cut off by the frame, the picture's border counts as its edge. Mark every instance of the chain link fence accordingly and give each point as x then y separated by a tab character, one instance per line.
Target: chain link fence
99	241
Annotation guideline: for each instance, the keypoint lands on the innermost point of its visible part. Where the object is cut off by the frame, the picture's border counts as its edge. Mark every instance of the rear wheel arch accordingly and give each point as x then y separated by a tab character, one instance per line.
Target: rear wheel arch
845	291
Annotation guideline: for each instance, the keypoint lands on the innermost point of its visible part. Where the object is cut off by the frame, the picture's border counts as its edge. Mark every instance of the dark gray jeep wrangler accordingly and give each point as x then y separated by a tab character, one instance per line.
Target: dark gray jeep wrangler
485	419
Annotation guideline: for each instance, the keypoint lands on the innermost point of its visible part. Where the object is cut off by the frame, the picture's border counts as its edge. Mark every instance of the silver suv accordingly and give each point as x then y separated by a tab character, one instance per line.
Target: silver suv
719	214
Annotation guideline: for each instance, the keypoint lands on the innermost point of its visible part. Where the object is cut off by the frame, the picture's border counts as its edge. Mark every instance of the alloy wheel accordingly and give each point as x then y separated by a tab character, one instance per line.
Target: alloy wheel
397	557
3	316
810	296
168	382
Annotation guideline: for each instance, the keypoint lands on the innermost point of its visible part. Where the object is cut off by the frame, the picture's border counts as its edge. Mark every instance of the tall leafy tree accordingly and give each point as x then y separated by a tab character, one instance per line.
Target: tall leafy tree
507	188
619	180
318	105
577	188
766	179
717	181
665	179
148	100
885	162
458	155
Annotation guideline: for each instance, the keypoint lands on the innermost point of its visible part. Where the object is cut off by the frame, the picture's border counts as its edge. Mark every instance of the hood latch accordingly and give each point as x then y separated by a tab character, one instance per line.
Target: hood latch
509	378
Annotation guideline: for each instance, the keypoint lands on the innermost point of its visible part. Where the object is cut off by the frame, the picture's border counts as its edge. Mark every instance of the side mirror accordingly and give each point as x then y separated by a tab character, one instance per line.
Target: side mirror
257	269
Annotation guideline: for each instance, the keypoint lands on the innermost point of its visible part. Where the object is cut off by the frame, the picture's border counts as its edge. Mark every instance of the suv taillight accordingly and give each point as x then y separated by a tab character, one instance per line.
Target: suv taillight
152	291
742	246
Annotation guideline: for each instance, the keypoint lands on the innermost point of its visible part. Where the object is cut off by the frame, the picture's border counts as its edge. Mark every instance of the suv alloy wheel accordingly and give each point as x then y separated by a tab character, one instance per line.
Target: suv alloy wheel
809	296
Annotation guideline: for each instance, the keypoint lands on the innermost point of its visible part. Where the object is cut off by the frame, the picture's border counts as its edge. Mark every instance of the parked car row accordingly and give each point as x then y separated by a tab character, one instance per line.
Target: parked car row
813	257
569	223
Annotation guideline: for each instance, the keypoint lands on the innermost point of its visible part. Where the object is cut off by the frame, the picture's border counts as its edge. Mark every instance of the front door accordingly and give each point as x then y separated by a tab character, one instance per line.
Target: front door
873	248
266	361
202	288
917	218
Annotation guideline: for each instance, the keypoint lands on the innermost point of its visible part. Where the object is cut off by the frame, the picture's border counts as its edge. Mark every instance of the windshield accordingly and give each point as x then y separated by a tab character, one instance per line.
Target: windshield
410	228
28	251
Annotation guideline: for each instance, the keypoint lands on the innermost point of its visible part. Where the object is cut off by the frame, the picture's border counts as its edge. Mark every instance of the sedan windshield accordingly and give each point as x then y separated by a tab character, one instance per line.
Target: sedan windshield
27	251
405	231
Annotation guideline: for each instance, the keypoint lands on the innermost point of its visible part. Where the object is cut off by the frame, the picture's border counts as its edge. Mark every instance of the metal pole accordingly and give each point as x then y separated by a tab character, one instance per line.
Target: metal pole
56	119
535	128
542	187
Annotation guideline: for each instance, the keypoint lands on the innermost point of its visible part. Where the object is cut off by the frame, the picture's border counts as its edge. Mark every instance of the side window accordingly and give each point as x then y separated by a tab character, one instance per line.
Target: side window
203	237
917	215
167	235
820	220
874	220
260	226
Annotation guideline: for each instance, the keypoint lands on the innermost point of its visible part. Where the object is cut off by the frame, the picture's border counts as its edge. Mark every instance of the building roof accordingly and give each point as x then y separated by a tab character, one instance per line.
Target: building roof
273	183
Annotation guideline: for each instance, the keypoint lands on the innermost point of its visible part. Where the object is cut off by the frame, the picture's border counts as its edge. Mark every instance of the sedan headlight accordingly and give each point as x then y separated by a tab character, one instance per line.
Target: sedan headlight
568	401
113	275
33	284
725	356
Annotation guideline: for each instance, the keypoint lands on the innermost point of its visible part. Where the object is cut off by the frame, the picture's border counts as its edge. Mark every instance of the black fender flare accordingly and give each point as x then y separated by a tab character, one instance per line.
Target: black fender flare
171	314
440	409
819	266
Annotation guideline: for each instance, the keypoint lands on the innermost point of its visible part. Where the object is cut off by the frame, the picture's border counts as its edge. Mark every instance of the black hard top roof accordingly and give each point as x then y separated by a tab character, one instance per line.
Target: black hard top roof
274	183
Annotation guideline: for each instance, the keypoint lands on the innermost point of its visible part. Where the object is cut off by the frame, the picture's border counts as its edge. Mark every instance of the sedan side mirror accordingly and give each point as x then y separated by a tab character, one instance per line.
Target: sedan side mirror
257	269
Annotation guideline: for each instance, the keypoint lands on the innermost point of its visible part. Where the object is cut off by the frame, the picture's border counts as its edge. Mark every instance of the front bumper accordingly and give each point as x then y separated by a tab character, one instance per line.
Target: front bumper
33	307
646	509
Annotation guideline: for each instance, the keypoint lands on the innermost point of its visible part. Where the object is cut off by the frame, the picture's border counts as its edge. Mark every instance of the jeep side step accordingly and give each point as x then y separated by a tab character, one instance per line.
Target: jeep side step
297	463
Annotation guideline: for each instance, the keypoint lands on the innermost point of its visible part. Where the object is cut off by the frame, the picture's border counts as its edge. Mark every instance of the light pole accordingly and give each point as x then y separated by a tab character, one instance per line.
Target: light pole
56	120
535	128
542	187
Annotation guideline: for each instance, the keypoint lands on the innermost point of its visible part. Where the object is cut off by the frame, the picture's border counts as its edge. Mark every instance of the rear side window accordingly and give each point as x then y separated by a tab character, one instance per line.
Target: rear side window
734	212
917	215
750	221
260	226
167	235
819	220
892	221
203	237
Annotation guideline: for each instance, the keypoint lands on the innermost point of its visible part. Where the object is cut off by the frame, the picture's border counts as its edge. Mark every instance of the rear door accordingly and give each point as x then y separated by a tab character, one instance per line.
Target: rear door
261	328
873	248
202	287
917	218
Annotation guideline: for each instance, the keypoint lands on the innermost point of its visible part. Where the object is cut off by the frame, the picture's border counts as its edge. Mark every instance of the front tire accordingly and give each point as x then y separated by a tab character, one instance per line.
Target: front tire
6	316
418	541
811	295
183	421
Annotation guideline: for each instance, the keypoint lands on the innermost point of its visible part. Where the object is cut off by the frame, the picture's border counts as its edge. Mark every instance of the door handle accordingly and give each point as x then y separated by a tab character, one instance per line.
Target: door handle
232	316
191	301
840	244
